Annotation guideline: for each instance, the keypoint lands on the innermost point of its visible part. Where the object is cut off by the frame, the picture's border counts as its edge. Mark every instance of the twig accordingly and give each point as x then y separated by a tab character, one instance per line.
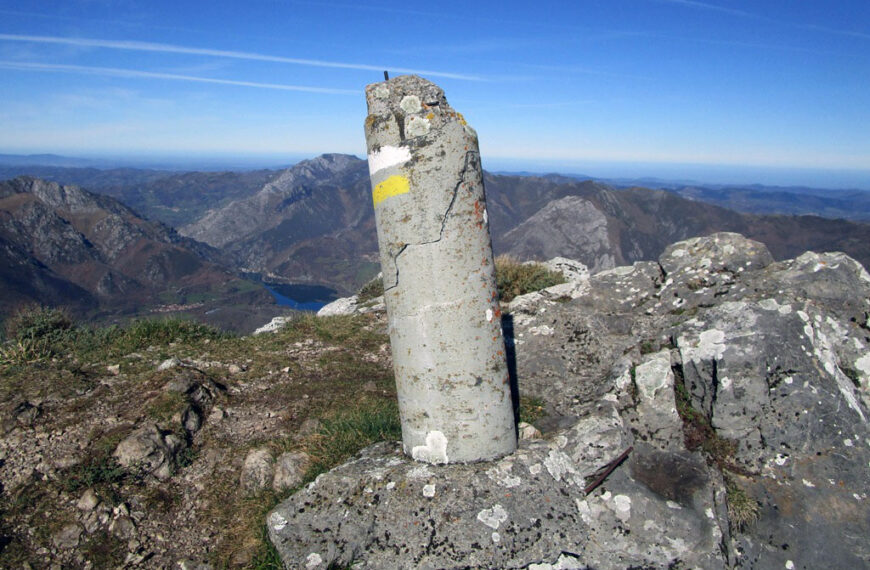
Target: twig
608	469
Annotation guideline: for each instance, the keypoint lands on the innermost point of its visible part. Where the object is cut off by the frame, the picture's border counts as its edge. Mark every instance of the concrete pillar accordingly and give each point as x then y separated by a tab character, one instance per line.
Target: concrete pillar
439	278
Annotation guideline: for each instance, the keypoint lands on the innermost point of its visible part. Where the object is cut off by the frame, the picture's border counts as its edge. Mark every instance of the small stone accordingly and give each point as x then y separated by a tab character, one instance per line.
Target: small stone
290	469
123	527
114	369
169	363
216	414
528	431
257	471
68	536
234	369
88	501
370	386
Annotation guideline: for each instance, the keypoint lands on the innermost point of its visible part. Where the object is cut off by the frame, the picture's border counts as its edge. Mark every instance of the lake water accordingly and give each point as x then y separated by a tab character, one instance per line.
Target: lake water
301	297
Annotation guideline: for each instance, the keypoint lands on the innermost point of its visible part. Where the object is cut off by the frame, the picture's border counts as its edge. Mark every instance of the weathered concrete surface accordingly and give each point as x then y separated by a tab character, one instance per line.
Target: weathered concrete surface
439	281
774	356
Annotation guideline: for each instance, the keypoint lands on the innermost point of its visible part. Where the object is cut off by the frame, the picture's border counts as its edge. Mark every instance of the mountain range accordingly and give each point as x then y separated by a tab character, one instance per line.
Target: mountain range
114	245
62	245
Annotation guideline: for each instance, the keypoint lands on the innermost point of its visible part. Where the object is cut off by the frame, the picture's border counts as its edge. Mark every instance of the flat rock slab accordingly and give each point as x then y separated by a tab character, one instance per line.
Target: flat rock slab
528	510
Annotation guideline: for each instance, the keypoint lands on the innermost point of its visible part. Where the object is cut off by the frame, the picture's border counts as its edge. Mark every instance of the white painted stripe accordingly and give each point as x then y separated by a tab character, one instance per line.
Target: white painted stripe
388	156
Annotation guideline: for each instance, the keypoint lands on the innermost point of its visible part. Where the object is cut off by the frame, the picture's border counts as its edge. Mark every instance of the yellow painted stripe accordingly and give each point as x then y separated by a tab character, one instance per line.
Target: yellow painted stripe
392	186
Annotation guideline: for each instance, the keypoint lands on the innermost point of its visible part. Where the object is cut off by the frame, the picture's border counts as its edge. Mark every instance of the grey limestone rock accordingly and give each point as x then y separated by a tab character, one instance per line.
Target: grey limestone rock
773	357
571	226
150	450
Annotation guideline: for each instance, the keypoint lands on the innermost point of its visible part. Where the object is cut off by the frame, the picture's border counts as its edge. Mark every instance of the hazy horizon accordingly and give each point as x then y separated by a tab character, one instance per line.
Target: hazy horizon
664	172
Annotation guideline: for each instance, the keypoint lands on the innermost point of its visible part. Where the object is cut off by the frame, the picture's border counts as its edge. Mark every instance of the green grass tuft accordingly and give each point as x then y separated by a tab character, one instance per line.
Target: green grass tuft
514	278
371	290
349	431
743	510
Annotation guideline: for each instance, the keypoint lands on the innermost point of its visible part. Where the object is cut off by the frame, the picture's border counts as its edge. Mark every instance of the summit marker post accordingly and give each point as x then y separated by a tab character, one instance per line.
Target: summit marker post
439	277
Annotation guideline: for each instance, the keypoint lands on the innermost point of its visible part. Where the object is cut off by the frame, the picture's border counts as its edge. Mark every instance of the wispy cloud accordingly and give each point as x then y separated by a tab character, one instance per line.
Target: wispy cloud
711	7
848	33
169	48
744	14
116	72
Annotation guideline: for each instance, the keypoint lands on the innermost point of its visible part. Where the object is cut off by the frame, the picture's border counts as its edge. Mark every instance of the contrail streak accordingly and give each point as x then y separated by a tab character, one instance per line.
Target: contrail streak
116	72
168	48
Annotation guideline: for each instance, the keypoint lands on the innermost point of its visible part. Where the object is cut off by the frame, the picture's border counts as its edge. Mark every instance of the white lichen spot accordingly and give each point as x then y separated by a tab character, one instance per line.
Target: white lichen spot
622	507
435	450
584	509
535	469
848	443
496	537
382	92
489	315
808	483
542	330
313	560
857	497
789	565
863	365
558	464
709	346
493	517
673	505
624	379
725	383
678	544
561	441
419	472
429	491
501	474
605	496
391	485
277	521
788	380
417	126
411	104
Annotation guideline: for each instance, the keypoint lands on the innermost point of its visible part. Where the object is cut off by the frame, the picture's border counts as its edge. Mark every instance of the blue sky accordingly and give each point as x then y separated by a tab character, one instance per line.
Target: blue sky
671	88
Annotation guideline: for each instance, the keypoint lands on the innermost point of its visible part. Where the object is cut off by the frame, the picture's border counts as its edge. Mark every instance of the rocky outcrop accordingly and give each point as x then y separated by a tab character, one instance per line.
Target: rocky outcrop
739	387
571	226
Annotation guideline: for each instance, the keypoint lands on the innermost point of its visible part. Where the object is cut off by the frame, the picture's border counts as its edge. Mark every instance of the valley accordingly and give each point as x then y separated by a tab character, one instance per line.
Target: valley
235	248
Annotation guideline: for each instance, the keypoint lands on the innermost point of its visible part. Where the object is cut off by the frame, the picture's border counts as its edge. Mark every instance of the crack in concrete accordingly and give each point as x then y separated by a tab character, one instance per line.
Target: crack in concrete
462	174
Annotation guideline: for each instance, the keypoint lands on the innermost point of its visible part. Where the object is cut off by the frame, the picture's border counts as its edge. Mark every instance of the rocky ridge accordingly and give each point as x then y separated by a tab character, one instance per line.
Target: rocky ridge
65	245
729	392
